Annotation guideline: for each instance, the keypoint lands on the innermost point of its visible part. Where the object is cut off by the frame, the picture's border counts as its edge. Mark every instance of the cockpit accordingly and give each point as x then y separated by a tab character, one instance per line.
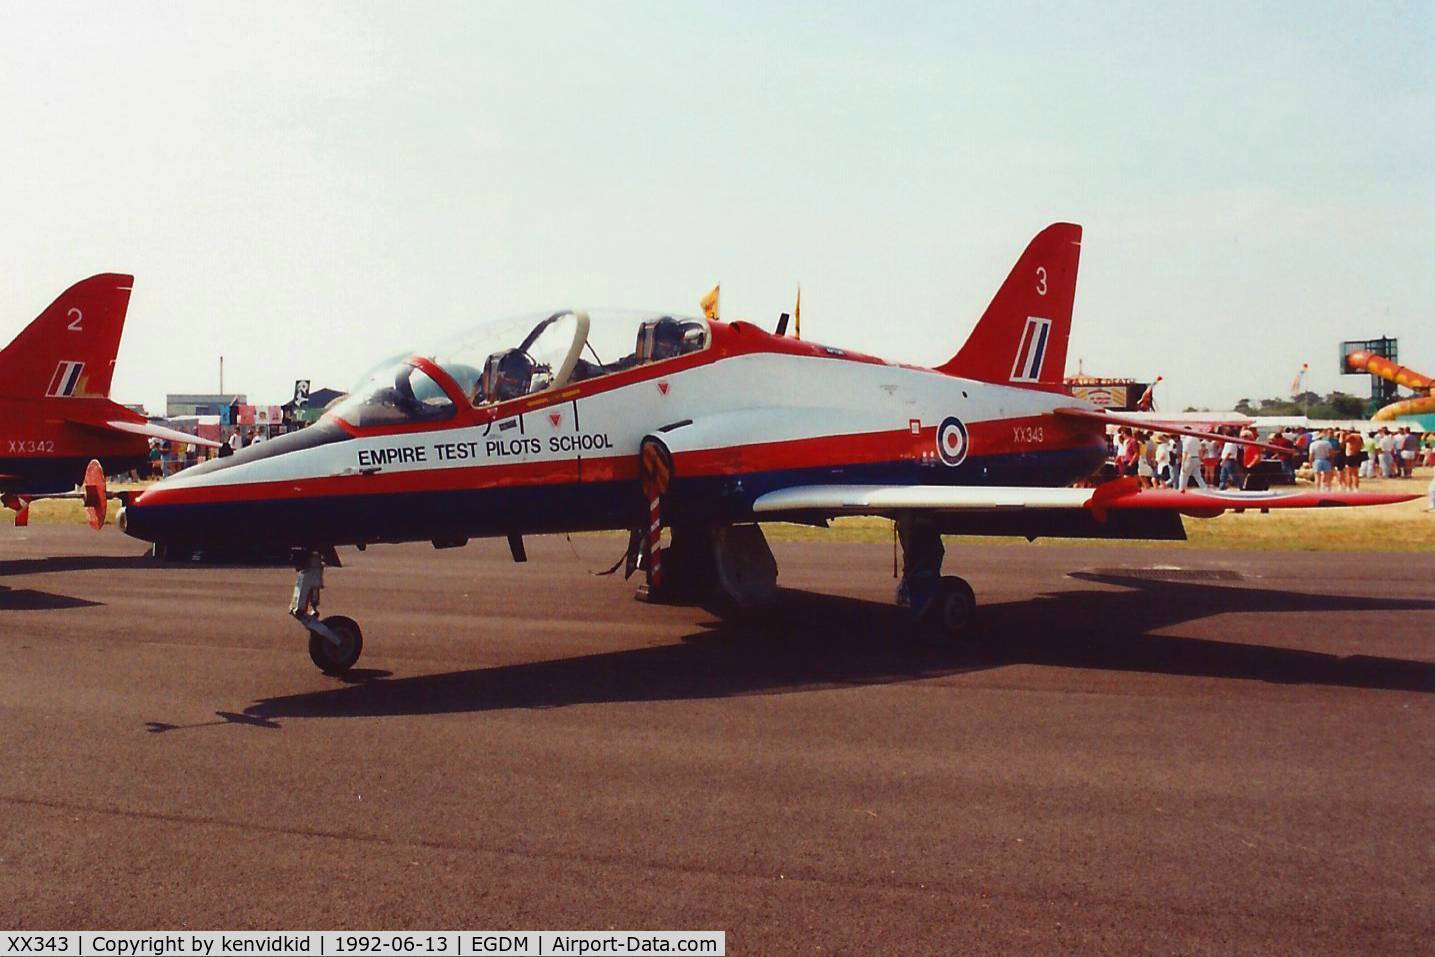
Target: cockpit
505	360
561	350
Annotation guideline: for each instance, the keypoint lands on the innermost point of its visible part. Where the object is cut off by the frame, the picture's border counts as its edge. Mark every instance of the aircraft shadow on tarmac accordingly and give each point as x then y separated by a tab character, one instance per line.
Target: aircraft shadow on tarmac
73	563
814	642
28	599
81	563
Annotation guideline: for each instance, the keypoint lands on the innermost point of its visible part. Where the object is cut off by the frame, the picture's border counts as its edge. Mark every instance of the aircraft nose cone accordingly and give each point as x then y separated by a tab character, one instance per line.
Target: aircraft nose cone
212	505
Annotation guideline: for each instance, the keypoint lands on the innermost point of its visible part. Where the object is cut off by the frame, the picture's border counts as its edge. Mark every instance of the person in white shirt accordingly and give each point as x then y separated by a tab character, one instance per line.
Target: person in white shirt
1210	460
1163	461
1191	463
1407	443
1387	453
1230	465
1145	460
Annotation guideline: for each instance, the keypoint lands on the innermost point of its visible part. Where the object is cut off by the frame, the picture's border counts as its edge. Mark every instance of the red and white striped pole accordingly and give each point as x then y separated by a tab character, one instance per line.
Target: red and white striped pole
655	543
654	473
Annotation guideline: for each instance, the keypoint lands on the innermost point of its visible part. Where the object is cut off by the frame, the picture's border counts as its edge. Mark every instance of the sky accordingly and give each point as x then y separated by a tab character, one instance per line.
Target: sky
307	188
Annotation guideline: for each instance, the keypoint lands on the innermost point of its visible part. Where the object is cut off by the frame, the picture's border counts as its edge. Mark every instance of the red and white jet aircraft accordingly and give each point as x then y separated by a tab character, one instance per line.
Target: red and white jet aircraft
561	423
58	427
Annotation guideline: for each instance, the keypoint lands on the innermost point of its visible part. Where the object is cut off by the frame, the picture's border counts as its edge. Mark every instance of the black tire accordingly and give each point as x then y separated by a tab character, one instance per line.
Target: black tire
952	612
334	660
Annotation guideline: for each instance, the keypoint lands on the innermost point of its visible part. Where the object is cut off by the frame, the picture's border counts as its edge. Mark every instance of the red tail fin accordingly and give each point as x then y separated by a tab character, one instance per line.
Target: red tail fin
70	349
1021	338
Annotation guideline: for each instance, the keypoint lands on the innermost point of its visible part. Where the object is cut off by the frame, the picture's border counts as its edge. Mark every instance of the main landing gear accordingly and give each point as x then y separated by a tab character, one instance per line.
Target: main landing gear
727	569
336	642
724	568
942	605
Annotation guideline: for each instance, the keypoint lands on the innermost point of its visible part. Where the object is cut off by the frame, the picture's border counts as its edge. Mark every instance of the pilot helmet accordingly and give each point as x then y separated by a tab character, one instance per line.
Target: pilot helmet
660	339
507	375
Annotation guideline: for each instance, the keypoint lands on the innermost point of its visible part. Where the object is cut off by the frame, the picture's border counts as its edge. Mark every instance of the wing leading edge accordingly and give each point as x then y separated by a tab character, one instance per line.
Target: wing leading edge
1119	496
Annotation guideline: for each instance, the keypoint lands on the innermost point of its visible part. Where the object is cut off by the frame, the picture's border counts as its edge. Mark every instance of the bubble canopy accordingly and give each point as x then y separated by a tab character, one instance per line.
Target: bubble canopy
523	355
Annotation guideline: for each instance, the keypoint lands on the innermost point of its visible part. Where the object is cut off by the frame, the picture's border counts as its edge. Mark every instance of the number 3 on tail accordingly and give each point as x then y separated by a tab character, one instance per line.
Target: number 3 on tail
76	317
1041	280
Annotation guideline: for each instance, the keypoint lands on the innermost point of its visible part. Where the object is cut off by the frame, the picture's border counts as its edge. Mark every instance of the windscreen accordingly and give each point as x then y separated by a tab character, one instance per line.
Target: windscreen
501	359
393	395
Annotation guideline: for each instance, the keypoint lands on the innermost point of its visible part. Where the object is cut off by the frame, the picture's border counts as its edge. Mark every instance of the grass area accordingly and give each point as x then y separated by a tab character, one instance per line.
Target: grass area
66	511
1407	527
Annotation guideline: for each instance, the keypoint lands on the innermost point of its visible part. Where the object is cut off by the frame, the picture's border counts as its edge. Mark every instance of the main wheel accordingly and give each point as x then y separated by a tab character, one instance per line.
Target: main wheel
952	611
335	659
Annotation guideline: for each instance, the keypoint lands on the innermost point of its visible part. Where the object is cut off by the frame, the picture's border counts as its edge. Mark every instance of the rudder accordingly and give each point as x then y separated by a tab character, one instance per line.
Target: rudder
1021	339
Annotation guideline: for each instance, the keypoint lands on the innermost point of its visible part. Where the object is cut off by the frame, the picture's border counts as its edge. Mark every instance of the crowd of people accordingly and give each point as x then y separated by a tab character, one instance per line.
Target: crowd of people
1180	461
166	457
1336	457
1344	457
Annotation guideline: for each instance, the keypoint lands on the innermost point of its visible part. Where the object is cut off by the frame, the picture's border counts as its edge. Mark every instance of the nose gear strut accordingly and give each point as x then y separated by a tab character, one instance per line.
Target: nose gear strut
336	642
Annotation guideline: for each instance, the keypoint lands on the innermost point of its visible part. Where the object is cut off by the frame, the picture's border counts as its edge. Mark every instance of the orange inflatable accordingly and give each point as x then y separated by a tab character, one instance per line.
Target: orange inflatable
1361	360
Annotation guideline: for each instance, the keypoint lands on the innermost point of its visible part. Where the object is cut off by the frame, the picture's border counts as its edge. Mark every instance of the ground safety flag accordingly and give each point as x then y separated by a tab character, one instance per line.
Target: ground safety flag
710	303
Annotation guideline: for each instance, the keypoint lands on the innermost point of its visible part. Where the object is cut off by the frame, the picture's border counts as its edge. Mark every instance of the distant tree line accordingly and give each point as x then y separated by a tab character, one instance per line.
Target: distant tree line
1337	405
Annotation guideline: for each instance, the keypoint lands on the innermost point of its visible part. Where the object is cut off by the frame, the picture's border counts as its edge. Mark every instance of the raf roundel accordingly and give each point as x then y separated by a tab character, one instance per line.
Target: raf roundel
952	441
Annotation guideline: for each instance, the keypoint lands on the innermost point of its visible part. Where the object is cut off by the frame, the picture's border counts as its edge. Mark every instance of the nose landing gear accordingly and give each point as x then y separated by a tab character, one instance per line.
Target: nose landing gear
336	642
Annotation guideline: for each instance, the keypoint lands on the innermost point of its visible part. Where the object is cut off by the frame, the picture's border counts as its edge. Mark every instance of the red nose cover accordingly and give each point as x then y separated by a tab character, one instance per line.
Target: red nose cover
96	501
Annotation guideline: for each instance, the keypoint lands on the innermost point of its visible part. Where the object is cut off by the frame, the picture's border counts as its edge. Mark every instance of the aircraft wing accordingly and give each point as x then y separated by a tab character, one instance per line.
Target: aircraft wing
148	429
889	499
1121	495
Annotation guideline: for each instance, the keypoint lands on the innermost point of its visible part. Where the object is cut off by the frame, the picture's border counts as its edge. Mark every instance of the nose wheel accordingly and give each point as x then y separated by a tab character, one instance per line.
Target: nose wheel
336	655
336	642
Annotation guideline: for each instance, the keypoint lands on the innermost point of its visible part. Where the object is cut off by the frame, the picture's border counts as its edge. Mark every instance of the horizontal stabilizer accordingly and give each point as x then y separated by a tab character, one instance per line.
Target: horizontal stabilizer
147	429
1169	429
160	432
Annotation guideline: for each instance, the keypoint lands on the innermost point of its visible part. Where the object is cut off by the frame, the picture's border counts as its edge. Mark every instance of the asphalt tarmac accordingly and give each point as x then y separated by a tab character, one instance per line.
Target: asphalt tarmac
1158	750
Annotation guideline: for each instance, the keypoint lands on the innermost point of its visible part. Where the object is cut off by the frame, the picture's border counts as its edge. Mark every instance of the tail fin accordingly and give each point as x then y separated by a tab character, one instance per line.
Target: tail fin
1021	338
70	349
